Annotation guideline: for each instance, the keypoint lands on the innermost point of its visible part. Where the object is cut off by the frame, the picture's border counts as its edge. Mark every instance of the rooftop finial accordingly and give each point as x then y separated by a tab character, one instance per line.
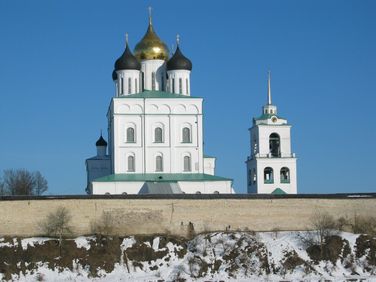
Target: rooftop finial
150	22
101	132
269	90
177	40
126	38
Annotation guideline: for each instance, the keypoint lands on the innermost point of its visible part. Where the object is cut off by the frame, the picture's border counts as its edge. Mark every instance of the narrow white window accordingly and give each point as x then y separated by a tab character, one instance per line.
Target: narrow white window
186	135
159	163
131	166
187	163
130	135
158	135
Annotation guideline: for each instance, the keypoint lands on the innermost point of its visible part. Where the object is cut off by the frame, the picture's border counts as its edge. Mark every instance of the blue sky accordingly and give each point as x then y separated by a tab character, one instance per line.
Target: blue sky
56	59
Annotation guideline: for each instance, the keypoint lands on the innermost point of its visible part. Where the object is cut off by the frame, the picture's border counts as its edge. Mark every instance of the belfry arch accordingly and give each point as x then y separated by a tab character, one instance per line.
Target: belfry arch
275	145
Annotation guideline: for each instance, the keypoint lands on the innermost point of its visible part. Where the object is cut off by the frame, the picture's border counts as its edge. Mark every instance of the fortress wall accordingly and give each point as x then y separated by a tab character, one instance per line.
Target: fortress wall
149	216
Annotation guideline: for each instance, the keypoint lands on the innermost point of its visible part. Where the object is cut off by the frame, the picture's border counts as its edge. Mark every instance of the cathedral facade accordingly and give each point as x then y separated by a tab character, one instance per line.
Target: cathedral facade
155	128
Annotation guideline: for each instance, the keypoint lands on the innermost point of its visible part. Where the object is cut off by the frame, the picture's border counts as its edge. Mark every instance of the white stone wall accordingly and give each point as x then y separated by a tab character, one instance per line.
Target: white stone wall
158	67
264	132
144	115
97	168
209	165
179	82
128	82
260	187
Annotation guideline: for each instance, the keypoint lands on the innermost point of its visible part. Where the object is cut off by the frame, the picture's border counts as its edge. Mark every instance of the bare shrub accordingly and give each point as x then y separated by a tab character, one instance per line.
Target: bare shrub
323	226
105	226
364	225
342	223
57	224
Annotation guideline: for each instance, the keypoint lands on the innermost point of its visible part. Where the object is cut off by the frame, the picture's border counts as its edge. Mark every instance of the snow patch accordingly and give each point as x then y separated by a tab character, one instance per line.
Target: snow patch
33	241
84	242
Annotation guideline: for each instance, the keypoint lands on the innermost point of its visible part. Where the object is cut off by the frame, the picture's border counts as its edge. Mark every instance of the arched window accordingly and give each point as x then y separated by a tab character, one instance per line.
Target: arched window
130	135
180	86
285	175
173	85
198	192
131	164
274	145
268	175
216	192
186	135
158	135
186	86
129	85
159	163
162	83
135	86
187	163
153	80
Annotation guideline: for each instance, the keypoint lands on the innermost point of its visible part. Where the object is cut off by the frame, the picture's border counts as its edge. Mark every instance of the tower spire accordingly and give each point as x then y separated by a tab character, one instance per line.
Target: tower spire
269	90
177	40
126	38
150	19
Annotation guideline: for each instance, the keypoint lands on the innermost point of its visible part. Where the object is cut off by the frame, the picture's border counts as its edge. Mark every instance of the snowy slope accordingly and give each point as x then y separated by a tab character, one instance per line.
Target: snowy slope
235	256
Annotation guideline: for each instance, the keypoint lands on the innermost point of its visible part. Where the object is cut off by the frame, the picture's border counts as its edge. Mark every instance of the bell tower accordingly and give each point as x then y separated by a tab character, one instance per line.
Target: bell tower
271	166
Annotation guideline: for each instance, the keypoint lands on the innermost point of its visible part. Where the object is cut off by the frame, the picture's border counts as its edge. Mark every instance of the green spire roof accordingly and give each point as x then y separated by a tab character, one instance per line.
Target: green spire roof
279	191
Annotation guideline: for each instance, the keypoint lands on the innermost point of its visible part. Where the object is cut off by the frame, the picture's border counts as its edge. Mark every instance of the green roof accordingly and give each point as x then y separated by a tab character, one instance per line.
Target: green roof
160	177
267	116
155	94
279	191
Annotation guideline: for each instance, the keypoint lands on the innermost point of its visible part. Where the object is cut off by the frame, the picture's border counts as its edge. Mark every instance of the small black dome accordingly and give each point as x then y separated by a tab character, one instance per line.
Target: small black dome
179	62
114	75
127	61
101	142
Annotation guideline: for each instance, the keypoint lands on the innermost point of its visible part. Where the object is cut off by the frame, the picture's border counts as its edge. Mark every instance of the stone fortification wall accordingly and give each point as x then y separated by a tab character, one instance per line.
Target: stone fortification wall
158	214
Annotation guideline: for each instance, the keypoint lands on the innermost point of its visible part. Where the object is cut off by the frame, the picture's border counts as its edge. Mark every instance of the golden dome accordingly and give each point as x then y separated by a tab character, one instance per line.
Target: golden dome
151	47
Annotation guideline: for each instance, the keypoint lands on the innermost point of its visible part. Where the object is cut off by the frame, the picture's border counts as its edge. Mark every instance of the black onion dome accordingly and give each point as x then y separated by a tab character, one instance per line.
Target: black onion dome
101	142
127	61
179	62
114	75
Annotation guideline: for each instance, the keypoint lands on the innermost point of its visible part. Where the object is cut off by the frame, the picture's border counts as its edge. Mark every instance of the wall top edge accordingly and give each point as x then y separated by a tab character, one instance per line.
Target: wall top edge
353	196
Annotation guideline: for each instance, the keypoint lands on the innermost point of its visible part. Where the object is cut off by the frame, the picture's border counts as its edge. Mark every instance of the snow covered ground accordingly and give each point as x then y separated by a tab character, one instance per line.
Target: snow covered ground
220	256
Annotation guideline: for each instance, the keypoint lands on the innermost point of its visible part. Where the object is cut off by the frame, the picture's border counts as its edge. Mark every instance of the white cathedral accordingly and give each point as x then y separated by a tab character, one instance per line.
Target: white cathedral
271	167
155	128
155	133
